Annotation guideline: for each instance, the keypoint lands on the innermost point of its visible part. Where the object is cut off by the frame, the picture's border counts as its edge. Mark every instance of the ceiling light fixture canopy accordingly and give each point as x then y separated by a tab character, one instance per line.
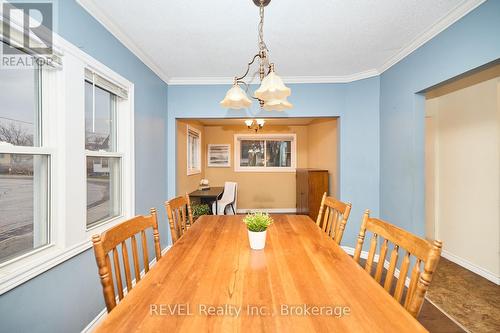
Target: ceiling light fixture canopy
272	93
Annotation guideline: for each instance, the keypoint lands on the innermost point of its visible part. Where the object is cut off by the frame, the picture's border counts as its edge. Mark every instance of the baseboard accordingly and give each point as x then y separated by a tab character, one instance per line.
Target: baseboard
471	267
100	317
267	210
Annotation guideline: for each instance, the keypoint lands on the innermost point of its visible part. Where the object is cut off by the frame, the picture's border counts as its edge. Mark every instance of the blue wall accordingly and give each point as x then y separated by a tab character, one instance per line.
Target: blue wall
67	297
471	42
355	103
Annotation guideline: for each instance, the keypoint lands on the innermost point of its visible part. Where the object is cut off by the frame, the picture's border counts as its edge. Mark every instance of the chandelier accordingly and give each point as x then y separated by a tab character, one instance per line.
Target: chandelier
255	125
272	93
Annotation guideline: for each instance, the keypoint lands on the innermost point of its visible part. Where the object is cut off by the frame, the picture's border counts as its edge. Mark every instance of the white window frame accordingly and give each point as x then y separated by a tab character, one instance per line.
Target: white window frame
64	140
43	149
193	170
262	137
120	138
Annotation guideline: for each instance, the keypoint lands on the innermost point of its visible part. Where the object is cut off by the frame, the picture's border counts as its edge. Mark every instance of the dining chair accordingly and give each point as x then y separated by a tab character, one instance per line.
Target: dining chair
332	217
180	216
228	199
417	251
110	240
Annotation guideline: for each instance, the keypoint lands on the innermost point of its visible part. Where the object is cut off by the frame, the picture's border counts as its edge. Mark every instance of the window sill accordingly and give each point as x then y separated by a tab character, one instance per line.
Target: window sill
41	260
27	268
96	227
193	172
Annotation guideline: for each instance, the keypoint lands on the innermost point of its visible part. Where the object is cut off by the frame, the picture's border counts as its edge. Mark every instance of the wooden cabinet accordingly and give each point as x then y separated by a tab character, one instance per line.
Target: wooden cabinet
311	184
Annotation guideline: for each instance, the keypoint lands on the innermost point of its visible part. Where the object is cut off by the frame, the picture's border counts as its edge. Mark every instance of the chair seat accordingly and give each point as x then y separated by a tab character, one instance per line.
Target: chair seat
228	199
221	206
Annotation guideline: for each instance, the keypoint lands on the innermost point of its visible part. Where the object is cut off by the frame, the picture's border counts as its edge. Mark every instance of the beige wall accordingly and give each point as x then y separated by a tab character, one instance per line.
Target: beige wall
323	137
271	190
185	183
430	151
257	189
467	180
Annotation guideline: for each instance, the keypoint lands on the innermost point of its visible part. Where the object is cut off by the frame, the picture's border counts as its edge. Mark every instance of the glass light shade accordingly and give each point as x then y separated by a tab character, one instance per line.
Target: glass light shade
261	122
272	87
236	99
249	122
277	105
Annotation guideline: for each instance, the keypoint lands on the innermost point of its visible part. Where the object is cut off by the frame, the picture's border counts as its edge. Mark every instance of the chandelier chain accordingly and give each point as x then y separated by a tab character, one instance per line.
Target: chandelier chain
262	44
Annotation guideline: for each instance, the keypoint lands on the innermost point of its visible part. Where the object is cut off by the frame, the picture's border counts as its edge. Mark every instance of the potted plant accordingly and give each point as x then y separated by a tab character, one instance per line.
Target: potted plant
199	210
257	224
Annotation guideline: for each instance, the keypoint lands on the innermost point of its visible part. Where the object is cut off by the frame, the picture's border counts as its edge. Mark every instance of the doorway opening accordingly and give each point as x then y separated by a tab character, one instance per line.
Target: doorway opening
462	130
262	160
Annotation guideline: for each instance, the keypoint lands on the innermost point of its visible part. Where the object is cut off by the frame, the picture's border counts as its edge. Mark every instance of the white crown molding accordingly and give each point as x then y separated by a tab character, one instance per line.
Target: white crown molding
108	24
179	81
453	16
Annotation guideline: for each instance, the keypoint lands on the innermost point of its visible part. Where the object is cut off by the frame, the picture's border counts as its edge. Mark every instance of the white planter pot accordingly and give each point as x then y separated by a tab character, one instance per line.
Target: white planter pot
257	239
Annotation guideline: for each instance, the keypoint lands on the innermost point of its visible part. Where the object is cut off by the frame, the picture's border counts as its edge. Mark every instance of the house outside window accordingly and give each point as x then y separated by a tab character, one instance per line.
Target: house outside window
265	152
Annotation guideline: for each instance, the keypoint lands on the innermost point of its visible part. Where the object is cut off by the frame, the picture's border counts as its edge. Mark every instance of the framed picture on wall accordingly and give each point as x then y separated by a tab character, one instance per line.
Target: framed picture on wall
219	155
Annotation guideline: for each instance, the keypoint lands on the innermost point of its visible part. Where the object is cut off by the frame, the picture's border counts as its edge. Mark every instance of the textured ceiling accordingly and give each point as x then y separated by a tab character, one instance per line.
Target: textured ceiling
313	38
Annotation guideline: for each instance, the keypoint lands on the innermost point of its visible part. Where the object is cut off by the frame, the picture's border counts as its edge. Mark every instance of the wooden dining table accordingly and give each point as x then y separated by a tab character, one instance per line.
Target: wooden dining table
211	281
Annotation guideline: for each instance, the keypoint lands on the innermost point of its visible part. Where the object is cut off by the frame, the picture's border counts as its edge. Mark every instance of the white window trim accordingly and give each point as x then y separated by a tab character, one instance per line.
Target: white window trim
193	171
66	145
237	152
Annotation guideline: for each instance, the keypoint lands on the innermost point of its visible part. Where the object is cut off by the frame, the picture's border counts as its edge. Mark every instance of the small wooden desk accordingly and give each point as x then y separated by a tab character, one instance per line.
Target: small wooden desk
212	194
210	281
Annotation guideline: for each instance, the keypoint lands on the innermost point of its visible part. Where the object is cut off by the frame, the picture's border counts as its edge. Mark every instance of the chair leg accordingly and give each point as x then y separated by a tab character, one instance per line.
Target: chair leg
232	207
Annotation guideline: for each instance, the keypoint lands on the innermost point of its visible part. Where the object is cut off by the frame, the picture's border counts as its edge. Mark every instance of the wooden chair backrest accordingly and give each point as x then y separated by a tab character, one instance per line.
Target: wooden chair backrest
424	252
109	240
332	217
180	217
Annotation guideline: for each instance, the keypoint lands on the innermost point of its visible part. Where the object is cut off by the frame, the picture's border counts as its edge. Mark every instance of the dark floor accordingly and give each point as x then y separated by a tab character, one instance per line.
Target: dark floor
436	321
431	317
470	299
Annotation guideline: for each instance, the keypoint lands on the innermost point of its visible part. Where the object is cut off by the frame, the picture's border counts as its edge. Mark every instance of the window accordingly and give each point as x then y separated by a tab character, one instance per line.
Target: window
103	159
24	164
193	151
265	153
66	160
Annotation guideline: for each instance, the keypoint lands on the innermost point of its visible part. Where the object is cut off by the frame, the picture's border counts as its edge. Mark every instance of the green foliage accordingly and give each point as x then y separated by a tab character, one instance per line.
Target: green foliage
258	221
199	210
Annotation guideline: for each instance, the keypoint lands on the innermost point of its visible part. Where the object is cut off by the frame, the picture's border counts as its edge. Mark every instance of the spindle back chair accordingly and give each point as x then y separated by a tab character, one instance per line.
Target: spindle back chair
425	254
109	241
180	216
332	217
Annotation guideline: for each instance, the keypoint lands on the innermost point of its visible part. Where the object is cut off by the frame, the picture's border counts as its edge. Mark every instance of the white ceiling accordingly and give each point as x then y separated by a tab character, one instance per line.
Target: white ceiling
201	41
